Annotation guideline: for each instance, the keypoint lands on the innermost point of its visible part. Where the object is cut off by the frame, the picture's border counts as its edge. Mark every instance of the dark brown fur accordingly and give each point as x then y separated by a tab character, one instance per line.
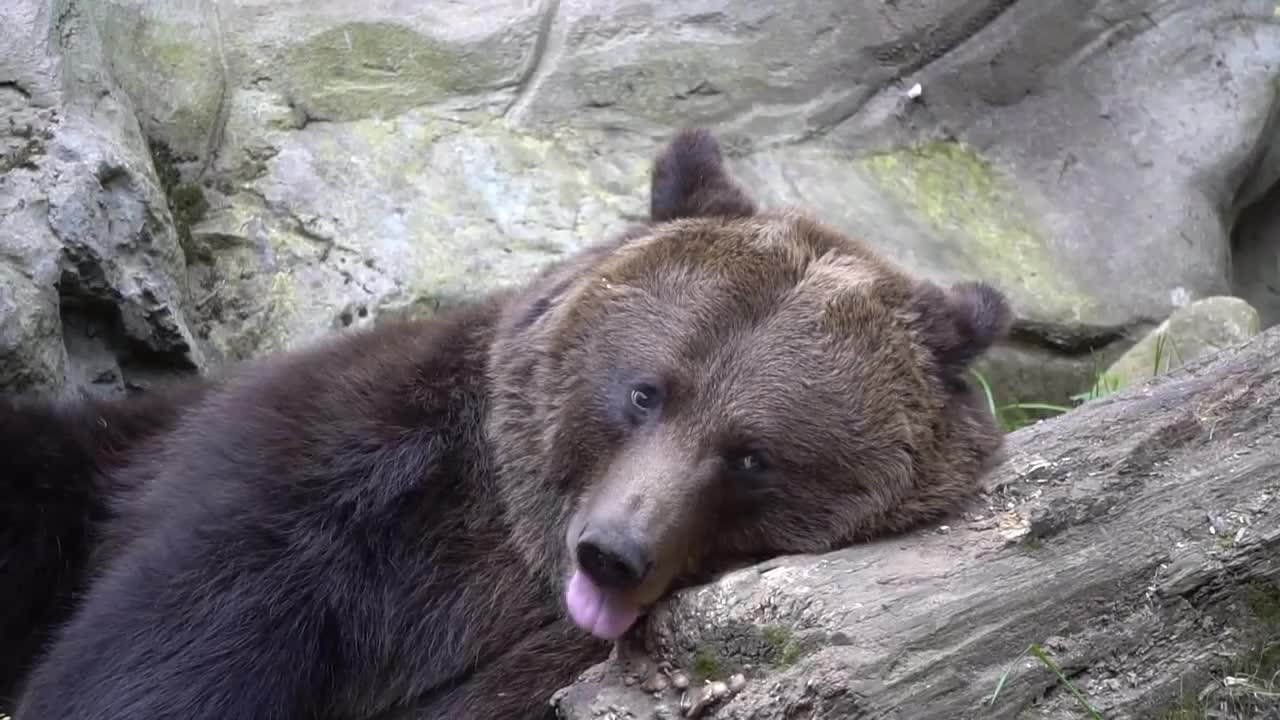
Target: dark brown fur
382	525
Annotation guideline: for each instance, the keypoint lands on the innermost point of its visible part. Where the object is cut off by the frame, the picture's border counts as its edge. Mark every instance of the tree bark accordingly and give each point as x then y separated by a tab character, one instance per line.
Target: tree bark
1133	540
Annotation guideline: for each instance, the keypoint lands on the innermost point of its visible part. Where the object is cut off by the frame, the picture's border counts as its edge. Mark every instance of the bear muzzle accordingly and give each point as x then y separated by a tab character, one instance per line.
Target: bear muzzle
632	533
613	558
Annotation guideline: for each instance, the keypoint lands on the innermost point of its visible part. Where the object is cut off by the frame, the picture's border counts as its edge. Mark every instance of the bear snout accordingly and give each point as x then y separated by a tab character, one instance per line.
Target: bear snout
614	558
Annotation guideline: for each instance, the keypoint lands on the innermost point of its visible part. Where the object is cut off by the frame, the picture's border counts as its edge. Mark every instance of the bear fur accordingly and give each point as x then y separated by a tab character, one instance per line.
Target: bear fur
452	517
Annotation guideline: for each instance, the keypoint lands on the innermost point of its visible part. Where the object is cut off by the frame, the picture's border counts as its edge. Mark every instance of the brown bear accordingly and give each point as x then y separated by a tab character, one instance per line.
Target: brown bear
450	518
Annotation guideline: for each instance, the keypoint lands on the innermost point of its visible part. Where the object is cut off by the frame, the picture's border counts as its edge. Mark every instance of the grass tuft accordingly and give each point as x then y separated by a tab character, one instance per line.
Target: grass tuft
1038	653
1015	415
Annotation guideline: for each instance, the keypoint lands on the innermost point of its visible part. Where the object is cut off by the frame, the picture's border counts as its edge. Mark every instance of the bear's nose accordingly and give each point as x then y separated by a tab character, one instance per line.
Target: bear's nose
613	560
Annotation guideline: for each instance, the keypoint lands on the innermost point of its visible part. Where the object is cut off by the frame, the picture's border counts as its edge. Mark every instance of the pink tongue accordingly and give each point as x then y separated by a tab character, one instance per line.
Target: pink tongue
602	614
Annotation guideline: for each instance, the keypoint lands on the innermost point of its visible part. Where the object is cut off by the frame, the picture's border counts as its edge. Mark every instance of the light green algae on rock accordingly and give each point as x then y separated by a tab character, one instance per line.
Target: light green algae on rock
962	197
401	215
169	65
480	207
366	69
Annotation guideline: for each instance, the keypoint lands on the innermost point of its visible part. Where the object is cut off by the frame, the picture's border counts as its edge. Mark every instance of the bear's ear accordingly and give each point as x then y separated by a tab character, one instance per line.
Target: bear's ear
689	180
961	323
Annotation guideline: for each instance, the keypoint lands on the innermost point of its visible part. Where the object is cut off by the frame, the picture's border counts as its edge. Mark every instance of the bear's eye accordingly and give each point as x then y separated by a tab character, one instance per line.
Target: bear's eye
746	461
644	397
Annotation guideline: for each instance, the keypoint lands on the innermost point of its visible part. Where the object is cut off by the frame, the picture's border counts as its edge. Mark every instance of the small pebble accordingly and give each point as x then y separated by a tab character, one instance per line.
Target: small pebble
656	683
679	680
665	712
696	701
737	681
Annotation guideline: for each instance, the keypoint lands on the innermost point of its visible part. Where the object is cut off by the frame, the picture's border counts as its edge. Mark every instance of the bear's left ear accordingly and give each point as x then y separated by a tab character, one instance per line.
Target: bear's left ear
961	323
689	180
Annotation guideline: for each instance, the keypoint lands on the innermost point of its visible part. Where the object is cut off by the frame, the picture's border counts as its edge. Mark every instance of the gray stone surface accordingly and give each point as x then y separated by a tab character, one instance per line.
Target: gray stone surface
93	278
1255	251
1201	328
30	354
328	163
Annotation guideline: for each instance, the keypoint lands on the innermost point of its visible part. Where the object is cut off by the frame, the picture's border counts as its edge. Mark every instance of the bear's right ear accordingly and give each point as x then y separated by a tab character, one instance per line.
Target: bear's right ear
689	180
961	323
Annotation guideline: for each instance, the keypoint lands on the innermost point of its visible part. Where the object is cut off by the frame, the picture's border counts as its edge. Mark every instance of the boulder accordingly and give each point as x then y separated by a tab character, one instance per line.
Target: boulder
1200	328
329	163
92	278
1123	565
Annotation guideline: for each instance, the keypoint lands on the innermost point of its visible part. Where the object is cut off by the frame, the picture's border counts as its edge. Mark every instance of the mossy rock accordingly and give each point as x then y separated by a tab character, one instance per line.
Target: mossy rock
378	69
169	65
739	647
1195	330
963	198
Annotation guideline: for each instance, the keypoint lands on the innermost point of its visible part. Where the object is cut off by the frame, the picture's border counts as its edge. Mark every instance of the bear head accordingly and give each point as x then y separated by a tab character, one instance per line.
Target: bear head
724	384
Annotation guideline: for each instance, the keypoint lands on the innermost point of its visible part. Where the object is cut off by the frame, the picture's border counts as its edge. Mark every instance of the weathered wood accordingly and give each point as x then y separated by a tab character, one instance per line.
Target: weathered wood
1123	536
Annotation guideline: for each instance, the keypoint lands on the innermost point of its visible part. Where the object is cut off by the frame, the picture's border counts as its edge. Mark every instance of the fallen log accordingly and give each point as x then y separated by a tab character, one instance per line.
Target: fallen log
1122	565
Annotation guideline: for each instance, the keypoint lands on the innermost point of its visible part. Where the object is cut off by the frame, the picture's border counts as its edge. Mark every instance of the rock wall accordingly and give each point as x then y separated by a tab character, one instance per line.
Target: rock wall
193	182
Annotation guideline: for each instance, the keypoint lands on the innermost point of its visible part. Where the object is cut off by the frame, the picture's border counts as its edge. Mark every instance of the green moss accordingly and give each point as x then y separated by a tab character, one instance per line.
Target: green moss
363	69
963	197
186	201
777	637
743	646
790	655
1187	707
1256	667
188	204
168	64
1263	600
22	156
165	165
706	664
1263	660
784	649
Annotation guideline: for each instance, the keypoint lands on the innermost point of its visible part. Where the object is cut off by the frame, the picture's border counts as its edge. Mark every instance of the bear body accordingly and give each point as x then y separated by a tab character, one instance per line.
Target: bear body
263	552
451	518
